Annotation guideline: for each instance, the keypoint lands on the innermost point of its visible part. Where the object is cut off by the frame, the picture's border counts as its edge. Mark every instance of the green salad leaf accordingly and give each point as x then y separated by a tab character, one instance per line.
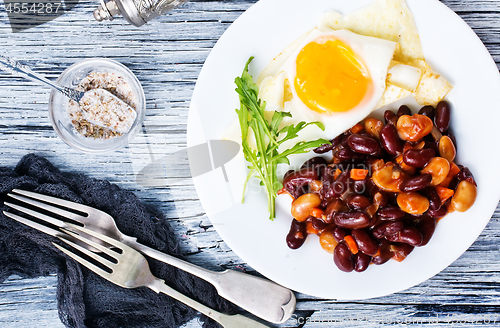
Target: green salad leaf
263	160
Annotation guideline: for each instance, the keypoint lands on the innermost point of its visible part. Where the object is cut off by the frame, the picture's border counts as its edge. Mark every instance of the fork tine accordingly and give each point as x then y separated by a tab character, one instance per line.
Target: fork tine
49	208
38	215
108	240
91	243
83	261
33	224
54	200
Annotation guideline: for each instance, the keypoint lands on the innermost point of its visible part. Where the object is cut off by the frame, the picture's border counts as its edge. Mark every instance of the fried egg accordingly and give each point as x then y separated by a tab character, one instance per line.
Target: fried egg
409	75
333	77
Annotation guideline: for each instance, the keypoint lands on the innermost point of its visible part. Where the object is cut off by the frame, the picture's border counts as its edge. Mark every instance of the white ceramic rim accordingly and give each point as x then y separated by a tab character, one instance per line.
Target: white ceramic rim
450	47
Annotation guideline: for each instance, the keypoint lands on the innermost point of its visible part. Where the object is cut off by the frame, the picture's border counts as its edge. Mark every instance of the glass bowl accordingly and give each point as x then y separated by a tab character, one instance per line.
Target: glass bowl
60	118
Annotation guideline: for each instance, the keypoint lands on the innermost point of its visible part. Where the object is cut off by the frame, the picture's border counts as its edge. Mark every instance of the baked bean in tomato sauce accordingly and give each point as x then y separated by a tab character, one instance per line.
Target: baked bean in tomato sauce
384	190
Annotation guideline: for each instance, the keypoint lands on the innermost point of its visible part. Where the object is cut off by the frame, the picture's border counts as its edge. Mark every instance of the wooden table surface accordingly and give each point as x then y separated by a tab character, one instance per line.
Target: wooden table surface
166	56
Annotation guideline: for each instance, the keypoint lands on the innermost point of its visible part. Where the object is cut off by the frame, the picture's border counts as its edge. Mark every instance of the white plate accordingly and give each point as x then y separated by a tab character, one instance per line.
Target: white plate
451	48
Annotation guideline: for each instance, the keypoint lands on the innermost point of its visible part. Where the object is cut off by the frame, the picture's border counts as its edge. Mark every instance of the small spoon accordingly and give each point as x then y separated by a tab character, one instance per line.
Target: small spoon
99	106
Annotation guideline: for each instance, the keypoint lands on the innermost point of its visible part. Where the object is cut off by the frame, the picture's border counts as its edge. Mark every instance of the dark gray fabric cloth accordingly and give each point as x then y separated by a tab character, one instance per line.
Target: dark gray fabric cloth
85	299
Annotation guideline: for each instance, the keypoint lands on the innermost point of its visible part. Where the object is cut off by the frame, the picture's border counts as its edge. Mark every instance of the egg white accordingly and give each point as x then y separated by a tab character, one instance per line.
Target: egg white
375	53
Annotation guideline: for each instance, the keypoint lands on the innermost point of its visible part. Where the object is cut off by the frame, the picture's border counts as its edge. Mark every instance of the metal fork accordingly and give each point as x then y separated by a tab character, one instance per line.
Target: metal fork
130	269
258	296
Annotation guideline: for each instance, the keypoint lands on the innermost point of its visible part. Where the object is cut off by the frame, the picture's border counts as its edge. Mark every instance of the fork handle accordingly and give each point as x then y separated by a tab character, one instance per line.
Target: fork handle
15	68
259	296
228	321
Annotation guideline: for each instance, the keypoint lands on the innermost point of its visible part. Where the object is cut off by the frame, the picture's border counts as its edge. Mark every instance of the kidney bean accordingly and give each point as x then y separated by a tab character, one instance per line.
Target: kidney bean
412	203
390	141
302	206
297	234
363	144
295	182
365	242
385	253
439	168
387	228
317	224
339	234
439	213
371	187
409	235
345	154
317	161
358	202
465	175
464	197
453	183
328	174
390	117
343	258
400	251
288	173
418	157
432	144
427	111
391	213
447	148
413	128
403	110
352	220
344	137
360	186
336	188
361	262
328	147
342	184
426	226
334	206
442	119
416	183
433	197
327	241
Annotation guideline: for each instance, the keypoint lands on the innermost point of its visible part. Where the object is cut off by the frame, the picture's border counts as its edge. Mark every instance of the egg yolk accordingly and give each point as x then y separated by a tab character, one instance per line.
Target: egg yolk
330	77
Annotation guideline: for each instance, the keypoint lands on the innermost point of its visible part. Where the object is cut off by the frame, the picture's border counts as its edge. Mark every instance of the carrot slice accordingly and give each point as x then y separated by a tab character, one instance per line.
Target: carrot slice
351	243
316	212
454	169
336	174
282	191
357	128
358	174
398	257
444	193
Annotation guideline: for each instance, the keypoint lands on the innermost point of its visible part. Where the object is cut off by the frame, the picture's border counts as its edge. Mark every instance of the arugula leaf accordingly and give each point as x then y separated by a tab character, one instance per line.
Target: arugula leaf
263	160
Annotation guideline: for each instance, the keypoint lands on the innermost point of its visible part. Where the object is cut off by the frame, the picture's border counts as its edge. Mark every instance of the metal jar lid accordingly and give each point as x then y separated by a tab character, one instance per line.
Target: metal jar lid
106	11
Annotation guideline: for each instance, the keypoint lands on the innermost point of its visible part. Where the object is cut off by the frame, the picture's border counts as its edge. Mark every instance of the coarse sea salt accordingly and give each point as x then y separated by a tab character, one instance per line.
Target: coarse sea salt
95	80
101	108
